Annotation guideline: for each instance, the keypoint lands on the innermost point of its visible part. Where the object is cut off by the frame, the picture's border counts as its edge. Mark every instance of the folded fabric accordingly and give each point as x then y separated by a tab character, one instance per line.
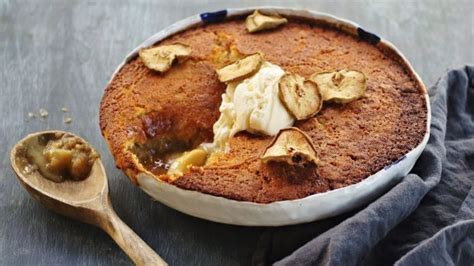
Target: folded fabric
426	219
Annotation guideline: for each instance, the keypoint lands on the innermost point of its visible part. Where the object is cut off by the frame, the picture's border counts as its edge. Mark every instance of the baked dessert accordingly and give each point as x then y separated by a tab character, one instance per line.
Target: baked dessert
57	156
147	117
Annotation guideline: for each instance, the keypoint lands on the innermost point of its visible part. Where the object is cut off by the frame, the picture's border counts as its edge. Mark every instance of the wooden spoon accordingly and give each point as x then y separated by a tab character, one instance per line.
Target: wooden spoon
87	201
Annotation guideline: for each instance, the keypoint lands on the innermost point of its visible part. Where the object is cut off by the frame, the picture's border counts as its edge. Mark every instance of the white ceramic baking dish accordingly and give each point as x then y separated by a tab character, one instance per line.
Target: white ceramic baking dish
286	212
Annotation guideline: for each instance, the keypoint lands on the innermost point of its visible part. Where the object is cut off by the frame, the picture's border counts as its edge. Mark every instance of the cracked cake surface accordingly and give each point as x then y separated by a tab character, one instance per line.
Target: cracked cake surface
145	115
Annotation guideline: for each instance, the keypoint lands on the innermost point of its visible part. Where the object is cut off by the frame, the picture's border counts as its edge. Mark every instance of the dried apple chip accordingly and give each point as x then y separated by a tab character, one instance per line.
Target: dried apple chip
301	97
160	58
258	21
291	146
240	69
342	86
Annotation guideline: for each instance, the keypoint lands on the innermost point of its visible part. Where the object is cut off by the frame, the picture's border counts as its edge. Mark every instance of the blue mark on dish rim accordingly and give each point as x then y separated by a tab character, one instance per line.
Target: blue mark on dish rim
213	17
367	36
394	163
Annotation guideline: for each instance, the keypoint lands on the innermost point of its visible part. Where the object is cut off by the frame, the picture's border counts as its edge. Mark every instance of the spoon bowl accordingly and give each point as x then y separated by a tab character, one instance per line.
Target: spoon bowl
86	200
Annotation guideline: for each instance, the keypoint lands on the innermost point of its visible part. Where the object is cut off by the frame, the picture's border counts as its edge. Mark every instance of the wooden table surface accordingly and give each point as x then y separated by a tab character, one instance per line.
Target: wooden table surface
56	54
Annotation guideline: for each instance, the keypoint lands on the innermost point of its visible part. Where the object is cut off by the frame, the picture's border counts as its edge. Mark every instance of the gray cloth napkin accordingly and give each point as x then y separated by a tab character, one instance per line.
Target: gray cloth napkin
427	219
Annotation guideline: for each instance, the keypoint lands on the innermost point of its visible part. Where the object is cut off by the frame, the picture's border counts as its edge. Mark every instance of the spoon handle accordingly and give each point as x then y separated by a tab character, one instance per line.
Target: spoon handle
129	241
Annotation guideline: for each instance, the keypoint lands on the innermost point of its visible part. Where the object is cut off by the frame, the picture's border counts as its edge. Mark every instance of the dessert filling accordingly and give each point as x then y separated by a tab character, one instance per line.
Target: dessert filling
58	157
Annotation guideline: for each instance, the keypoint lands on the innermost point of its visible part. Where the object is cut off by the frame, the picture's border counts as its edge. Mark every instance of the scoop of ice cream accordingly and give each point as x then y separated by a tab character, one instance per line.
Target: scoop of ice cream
252	105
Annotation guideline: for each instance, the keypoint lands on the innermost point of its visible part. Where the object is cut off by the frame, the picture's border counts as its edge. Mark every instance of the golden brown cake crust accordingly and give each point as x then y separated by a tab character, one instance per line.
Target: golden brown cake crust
353	141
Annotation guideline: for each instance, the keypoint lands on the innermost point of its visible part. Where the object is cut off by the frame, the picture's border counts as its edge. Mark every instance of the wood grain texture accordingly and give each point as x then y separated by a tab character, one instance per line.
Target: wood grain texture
86	200
62	53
